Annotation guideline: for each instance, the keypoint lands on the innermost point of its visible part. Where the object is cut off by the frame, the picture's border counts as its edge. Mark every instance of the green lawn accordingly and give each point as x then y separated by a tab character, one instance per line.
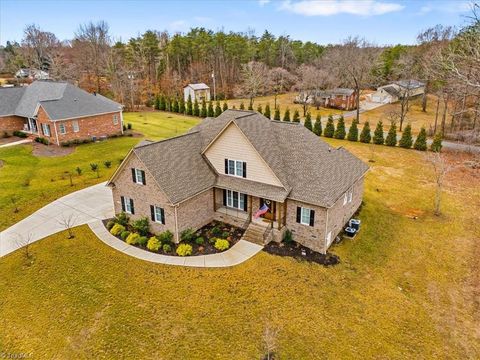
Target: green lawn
405	288
35	181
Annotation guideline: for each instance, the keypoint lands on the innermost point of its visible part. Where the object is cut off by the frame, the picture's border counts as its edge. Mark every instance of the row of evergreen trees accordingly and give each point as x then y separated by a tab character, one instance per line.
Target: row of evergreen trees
189	108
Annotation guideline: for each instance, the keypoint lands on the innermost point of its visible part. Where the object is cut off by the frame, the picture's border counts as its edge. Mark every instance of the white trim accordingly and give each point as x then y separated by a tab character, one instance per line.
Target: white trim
64	128
121	121
235	167
137	176
239	201
159	221
83	116
301	215
77	127
325	236
176	224
130	200
56	133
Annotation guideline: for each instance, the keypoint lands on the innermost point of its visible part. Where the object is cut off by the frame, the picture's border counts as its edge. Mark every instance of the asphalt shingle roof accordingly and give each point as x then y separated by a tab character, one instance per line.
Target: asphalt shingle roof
308	168
60	100
199	86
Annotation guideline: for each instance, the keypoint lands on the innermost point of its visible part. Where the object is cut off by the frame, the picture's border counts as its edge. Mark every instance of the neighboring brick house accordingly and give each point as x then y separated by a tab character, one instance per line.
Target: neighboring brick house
227	167
59	112
339	98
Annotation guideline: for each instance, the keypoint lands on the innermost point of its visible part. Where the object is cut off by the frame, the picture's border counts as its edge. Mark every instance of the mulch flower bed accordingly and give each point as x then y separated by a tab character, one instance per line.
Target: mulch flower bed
300	253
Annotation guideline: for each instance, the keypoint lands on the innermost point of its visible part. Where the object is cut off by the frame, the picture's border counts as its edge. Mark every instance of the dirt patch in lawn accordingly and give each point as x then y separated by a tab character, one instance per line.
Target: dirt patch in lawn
51	150
301	253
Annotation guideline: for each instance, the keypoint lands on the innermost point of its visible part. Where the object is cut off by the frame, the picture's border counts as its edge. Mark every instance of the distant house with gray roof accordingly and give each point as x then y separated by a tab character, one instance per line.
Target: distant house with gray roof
396	91
58	111
199	92
229	167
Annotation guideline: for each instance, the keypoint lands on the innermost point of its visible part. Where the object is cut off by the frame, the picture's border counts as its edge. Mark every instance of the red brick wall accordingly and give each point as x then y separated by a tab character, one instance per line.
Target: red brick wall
11	123
98	125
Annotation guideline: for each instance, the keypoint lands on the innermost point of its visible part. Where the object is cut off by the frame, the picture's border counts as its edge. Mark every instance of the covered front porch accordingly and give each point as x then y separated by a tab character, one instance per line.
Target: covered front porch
31	126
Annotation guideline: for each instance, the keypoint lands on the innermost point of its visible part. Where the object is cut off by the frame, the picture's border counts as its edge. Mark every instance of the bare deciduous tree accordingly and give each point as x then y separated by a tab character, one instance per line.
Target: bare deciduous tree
254	80
279	80
38	46
270	335
440	169
68	222
23	242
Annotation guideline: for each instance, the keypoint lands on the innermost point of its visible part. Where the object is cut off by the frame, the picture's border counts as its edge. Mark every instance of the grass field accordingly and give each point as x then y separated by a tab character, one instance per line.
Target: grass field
39	180
405	288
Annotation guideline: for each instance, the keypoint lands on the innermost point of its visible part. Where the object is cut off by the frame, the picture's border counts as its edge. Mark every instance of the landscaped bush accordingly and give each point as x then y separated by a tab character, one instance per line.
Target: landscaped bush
165	237
79	171
20	134
107	164
184	250
167	248
153	244
132	238
129	126
122	219
142	240
187	235
287	237
124	235
216	231
142	226
117	229
221	244
42	140
225	234
110	224
199	240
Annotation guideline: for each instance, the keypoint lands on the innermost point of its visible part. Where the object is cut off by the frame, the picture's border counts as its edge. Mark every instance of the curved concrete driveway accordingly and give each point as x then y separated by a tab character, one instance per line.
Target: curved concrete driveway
84	206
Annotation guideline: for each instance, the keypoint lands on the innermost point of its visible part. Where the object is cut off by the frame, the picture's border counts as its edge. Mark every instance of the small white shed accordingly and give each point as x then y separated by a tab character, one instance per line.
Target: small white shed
200	91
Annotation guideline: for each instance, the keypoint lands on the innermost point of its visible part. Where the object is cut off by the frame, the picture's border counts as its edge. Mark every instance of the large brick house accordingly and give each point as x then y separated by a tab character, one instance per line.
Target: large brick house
59	112
339	98
226	168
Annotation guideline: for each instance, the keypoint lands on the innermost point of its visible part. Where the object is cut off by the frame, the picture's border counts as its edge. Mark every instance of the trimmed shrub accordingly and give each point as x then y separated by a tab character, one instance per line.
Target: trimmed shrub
250	105
406	140
79	171
329	128
340	132
122	219
20	134
124	234
181	106
221	244
189	109
308	122
225	234
110	224
142	226
196	109
287	237
365	136
117	229
129	126
153	244
317	128
437	143
187	235
210	111
218	109
242	106
165	237
286	116
267	113
296	116
276	114
107	164
421	140
378	134
225	106
391	139
353	132
132	238
166	248
184	250
199	240
260	109
216	231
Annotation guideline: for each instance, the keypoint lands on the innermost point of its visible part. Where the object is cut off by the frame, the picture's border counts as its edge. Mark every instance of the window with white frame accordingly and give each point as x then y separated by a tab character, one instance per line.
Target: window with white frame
345	198
138	176
127	205
62	128
305	216
350	196
76	127
158	214
236	168
46	129
115	119
235	199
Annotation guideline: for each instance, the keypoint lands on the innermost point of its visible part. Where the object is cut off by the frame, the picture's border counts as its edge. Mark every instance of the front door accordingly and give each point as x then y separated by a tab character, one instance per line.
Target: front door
33	125
272	209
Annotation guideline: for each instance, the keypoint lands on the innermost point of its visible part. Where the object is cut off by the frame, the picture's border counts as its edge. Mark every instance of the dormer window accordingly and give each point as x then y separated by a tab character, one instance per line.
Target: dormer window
236	168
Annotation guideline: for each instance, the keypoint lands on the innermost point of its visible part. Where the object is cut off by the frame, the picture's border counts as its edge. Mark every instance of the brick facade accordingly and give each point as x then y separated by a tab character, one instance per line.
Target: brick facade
11	123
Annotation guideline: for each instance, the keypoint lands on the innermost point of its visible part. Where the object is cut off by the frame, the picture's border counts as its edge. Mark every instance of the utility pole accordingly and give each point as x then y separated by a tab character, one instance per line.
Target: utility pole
214	88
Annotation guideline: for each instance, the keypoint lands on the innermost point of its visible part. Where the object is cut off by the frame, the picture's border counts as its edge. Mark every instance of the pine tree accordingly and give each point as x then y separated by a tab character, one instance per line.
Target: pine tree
329	128
308	121
286	116
175	106
365	135
161	104
296	116
391	139
260	109
210	111
225	106
168	104
406	140
276	115
242	106
353	131
378	137
218	109
437	143
181	106
267	111
317	128
203	111
421	140
157	103
340	132
190	105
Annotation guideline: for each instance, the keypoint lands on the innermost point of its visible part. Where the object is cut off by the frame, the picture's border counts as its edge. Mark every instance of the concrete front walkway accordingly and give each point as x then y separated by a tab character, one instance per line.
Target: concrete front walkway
91	204
19	142
238	253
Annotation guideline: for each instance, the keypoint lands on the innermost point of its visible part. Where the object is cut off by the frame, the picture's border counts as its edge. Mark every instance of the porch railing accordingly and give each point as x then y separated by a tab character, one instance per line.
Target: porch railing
268	231
234	212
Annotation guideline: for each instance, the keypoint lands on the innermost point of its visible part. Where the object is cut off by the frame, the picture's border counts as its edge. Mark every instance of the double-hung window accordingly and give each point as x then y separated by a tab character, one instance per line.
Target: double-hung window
235	199
115	119
345	198
127	205
138	176
62	128
236	168
157	214
76	128
46	129
305	216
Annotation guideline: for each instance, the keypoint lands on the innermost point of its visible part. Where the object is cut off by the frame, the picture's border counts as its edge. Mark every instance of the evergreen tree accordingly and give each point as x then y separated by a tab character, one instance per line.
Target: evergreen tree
242	106
181	106
391	139
276	114
157	103
365	135
161	103
267	111
218	109
308	122
437	143
168	104
190	105
378	137
296	116
250	106
317	128
175	105
329	128
286	116
406	140
260	109
353	131
225	106
203	111
210	111
340	132
421	140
